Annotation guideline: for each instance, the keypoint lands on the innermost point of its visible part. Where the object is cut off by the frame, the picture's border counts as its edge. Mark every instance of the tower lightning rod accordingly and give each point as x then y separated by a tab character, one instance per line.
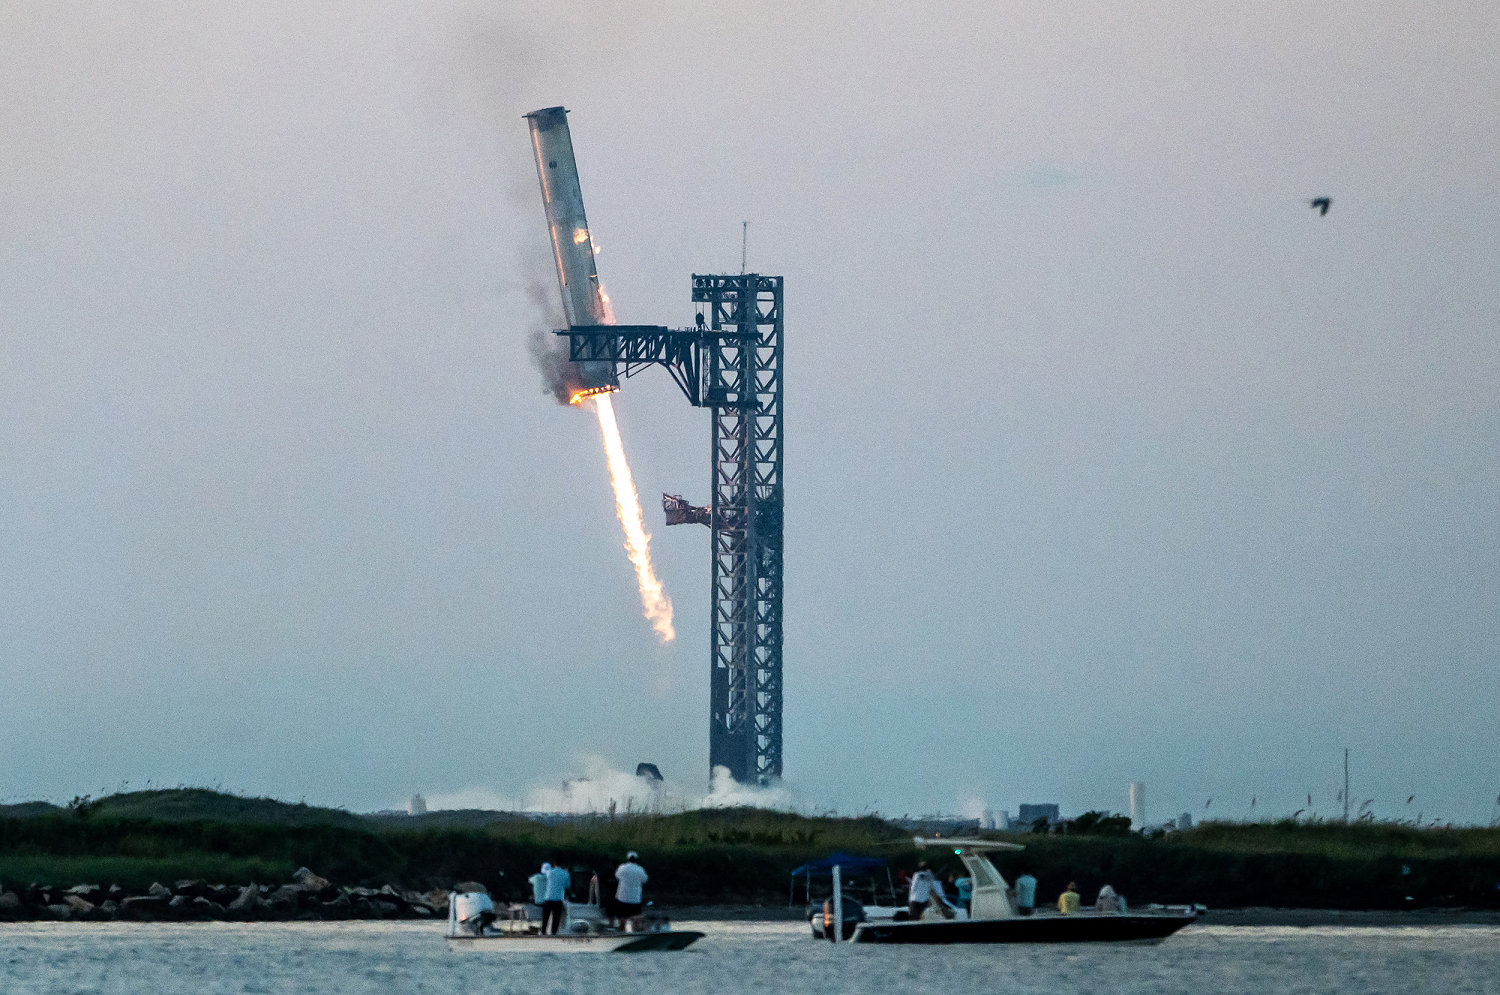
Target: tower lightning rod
744	244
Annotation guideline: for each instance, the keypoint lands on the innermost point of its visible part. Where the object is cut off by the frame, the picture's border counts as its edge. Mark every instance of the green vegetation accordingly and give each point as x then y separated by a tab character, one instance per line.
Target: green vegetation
203	805
726	855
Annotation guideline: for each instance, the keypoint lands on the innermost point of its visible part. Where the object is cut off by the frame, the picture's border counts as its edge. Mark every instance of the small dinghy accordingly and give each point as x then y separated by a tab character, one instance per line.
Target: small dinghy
474	924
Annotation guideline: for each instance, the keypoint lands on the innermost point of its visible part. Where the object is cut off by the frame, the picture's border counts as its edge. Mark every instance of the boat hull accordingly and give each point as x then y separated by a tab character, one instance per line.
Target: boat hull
578	943
1028	929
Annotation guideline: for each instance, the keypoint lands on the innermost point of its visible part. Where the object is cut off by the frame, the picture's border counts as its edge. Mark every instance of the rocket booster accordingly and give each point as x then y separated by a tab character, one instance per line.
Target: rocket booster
584	300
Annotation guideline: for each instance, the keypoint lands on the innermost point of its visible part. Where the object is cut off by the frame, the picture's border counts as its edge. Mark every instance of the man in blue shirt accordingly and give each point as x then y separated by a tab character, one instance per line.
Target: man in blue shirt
558	881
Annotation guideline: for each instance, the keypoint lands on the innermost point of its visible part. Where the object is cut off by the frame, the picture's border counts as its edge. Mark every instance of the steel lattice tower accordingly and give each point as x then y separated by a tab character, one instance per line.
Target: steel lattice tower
731	363
742	384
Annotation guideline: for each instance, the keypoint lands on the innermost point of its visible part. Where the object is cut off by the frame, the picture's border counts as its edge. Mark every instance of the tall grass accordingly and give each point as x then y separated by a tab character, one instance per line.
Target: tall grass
729	855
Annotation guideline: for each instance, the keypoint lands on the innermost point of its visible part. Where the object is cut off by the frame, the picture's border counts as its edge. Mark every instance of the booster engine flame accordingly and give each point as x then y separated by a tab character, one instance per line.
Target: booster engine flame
654	601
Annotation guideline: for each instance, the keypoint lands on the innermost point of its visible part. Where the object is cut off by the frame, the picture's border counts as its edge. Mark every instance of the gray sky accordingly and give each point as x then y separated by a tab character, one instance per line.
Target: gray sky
1107	458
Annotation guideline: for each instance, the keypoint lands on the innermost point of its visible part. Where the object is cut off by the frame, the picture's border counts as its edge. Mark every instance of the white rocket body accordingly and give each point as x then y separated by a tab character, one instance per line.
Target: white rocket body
584	300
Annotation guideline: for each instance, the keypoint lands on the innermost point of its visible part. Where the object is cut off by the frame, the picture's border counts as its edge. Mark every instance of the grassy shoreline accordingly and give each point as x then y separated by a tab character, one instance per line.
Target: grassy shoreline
725	856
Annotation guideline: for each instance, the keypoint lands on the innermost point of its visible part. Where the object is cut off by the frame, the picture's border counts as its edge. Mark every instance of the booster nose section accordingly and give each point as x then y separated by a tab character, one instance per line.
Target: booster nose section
584	300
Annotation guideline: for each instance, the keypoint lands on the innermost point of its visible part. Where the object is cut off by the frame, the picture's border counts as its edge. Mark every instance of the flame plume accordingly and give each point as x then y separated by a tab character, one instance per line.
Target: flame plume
654	601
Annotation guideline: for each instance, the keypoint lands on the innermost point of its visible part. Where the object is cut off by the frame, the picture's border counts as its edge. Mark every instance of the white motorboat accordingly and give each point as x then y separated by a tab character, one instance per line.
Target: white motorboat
992	918
474	924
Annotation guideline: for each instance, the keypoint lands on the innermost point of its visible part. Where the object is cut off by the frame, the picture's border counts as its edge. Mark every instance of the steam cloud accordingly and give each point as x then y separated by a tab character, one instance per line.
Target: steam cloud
602	784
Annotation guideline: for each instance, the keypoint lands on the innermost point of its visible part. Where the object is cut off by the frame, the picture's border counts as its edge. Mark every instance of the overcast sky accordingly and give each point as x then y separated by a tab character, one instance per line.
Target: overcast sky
1107	458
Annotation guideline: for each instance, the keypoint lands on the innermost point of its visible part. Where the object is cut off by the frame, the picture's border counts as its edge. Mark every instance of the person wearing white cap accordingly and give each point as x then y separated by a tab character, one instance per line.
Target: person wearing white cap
539	885
631	876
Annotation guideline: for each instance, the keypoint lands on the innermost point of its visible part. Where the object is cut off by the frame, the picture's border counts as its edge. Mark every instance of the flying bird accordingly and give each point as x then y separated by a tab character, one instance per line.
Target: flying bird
1322	204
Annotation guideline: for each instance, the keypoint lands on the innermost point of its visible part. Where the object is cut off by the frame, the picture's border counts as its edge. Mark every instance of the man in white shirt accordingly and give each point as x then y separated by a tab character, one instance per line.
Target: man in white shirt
631	876
920	892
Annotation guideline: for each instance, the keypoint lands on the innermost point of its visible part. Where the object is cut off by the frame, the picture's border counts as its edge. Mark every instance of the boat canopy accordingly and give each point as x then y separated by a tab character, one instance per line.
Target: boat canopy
839	859
846	863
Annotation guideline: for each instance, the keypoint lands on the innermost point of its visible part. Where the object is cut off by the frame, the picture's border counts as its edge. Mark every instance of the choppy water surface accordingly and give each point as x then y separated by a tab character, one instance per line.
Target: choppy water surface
733	957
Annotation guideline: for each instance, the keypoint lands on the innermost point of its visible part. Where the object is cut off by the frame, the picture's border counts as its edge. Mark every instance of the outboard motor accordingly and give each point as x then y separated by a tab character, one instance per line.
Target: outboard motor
473	911
854	914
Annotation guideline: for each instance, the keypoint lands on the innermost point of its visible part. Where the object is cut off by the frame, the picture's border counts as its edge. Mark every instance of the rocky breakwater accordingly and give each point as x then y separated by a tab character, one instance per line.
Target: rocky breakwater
306	897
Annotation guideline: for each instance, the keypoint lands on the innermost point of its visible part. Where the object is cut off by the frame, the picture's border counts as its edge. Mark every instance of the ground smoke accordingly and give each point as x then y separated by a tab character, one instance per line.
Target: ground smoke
602	785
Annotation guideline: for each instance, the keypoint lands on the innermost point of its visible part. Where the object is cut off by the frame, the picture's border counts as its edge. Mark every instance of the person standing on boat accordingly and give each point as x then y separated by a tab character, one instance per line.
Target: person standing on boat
920	892
964	886
1069	901
539	885
558	880
628	896
1025	893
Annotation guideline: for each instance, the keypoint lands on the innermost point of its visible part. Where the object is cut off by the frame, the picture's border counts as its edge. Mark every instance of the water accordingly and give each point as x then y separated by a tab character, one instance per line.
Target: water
733	957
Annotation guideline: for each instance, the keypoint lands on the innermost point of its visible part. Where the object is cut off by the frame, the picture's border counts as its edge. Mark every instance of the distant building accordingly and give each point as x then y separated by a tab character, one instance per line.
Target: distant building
1185	821
1137	805
937	825
1029	814
417	805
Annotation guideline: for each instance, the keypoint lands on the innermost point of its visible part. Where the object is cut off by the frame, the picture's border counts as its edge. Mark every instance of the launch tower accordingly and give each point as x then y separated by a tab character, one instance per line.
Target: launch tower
731	364
744	392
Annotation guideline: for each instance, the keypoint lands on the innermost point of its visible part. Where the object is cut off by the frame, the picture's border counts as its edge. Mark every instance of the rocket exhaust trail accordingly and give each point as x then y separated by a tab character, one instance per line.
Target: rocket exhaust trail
654	601
586	303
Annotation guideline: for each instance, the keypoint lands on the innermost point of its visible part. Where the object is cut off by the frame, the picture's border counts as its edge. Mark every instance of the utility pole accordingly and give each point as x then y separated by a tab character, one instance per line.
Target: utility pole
1346	785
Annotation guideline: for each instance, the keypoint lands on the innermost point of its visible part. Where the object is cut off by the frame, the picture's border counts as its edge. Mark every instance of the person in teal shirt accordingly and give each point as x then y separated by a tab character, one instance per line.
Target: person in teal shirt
1025	893
554	908
965	887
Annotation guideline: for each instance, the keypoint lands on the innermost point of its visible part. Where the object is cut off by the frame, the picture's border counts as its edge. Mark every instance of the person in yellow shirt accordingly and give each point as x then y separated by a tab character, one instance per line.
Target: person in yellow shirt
1068	901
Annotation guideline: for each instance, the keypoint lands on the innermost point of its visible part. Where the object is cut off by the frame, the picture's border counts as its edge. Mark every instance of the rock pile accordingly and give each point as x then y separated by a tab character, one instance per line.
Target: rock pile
306	897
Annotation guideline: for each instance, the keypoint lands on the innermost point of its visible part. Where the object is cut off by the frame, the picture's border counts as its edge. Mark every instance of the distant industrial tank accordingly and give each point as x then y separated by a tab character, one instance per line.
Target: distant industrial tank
1137	805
